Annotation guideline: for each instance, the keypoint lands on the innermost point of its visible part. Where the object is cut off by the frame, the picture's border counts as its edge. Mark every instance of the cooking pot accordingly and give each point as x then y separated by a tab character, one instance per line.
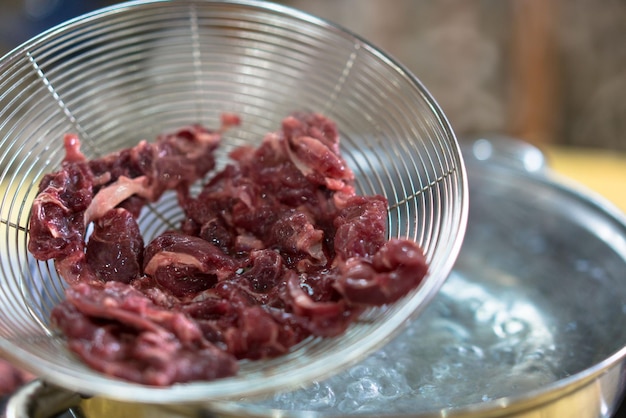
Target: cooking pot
530	324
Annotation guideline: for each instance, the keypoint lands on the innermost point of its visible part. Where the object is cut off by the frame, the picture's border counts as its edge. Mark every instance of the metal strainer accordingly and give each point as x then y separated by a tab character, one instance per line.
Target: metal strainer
132	71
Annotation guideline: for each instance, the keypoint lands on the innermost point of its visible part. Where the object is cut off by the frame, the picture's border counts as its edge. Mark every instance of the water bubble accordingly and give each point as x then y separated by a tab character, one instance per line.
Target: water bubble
487	311
362	390
468	351
348	406
360	371
473	347
506	326
284	400
322	397
392	384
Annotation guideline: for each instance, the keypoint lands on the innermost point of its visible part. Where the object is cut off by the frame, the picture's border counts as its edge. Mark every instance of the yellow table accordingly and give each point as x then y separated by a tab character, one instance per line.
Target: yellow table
598	170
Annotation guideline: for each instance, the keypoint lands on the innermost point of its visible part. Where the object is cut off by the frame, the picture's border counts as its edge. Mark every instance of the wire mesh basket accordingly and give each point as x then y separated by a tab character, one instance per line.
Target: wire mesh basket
132	71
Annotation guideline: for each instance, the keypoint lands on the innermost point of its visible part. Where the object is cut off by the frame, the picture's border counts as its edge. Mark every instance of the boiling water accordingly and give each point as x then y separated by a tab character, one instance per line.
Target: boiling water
471	345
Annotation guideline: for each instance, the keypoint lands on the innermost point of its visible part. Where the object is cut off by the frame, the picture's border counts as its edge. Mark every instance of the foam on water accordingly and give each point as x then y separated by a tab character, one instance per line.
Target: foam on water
469	346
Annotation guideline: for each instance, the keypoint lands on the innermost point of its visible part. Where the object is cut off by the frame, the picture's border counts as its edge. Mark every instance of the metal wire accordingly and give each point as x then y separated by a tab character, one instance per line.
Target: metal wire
135	70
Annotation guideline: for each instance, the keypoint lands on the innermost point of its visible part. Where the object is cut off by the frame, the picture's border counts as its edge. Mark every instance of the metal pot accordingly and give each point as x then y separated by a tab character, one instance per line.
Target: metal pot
530	324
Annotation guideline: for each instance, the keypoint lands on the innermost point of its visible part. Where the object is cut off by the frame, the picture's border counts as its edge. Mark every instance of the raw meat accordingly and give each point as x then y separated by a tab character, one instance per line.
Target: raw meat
115	248
276	247
118	330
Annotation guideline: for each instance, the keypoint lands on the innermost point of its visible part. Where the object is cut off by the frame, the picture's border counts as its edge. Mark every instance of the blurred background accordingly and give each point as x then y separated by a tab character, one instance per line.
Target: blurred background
547	71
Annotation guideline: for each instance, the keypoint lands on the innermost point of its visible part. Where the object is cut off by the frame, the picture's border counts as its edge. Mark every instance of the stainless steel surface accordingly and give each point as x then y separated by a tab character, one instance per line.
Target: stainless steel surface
529	325
134	70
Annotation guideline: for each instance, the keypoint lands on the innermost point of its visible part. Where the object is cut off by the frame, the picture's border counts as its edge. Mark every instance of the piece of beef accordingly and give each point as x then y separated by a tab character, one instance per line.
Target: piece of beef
313	125
298	240
115	248
219	234
184	264
119	331
274	174
395	269
265	271
231	316
57	218
175	159
324	318
360	227
225	193
312	144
